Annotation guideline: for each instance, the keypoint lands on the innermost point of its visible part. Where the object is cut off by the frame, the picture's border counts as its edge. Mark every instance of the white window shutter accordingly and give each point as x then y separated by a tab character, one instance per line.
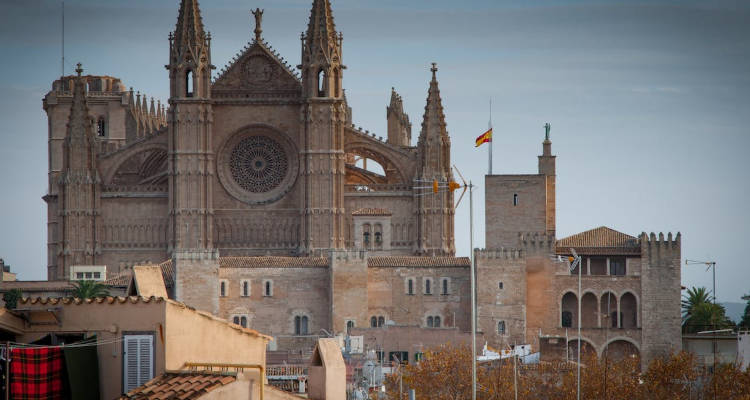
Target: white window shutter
138	360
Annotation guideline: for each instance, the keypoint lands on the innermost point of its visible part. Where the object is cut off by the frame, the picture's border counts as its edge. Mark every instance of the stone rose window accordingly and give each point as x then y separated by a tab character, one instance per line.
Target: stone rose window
258	165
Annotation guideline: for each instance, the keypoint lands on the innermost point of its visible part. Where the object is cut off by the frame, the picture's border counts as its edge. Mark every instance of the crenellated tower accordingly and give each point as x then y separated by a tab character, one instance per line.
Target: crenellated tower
399	127
435	212
79	187
324	114
191	159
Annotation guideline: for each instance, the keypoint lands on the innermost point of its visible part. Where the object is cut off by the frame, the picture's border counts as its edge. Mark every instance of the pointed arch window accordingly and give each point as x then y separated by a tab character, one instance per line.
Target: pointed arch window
321	83
336	83
381	321
243	321
189	82
374	322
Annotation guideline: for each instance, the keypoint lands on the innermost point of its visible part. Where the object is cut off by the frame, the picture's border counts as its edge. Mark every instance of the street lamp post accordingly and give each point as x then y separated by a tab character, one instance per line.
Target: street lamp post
575	261
434	187
712	266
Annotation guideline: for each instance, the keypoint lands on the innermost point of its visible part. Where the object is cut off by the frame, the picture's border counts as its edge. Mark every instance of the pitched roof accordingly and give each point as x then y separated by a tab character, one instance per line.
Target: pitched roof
414	261
601	240
372	212
272	262
182	385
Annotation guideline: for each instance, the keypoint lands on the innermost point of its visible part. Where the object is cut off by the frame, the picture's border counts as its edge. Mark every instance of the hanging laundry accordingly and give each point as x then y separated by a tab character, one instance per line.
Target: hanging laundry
36	373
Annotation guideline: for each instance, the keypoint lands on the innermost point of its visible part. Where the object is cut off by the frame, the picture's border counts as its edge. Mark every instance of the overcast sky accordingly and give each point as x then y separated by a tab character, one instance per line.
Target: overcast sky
648	101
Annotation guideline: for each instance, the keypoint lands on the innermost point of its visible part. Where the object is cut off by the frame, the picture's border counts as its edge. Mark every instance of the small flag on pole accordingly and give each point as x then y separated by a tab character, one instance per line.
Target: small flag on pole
484	138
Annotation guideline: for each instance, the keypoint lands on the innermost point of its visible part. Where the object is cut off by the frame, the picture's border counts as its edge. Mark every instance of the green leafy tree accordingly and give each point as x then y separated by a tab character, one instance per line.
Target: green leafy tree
89	289
11	298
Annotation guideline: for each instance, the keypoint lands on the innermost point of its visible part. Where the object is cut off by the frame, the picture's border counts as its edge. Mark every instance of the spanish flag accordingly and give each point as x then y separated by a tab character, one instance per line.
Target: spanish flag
484	138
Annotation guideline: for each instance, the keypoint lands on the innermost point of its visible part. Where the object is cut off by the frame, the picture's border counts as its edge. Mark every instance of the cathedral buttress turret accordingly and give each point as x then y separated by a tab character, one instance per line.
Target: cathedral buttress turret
79	187
324	113
434	148
190	117
399	127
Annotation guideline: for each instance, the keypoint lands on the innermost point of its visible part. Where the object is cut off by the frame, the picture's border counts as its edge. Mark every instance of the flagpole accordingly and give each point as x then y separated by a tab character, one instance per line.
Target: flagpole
490	127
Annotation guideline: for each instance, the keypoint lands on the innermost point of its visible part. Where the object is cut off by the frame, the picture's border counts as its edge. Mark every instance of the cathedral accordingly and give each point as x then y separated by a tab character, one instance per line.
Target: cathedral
257	159
250	190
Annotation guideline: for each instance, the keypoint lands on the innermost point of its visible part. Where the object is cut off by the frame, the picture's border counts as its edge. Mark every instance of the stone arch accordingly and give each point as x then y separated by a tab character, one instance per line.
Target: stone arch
142	165
393	173
628	310
589	310
587	347
620	347
609	309
569	310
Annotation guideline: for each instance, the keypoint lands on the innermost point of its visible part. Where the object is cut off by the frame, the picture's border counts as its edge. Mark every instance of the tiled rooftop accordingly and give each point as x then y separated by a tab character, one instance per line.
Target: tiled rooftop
180	385
272	262
601	240
428	262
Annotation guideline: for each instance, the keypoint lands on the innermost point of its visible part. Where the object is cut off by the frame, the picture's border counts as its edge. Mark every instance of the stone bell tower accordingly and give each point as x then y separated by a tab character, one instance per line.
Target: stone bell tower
324	116
191	158
191	162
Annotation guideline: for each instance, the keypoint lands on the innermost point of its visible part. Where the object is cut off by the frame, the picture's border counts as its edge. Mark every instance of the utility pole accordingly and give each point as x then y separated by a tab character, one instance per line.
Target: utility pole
575	261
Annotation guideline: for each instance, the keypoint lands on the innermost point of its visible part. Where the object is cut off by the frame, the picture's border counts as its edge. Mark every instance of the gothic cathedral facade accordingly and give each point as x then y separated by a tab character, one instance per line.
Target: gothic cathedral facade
258	159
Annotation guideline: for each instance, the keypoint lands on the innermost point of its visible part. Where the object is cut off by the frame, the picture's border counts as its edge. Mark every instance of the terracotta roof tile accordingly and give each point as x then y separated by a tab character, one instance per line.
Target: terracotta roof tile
122	279
601	240
167	272
181	385
372	212
413	261
272	262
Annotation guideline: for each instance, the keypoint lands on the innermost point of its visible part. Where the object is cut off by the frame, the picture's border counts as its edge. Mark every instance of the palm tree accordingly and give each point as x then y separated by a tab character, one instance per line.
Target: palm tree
694	297
89	289
700	314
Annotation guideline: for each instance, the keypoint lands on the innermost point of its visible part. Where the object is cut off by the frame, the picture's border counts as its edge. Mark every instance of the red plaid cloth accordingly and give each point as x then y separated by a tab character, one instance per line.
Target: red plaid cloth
36	373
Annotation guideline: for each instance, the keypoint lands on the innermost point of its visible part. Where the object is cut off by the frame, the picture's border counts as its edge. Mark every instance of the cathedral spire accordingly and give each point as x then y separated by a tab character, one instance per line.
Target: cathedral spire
322	69
321	31
79	123
189	54
433	123
189	30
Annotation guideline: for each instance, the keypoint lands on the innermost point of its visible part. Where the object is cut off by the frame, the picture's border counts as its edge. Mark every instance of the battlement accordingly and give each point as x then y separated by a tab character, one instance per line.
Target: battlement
96	85
651	242
500	254
537	242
